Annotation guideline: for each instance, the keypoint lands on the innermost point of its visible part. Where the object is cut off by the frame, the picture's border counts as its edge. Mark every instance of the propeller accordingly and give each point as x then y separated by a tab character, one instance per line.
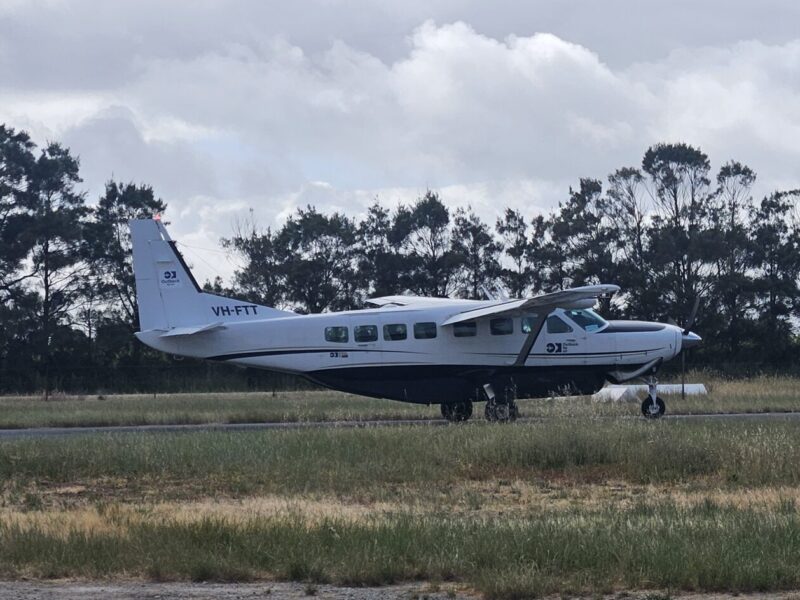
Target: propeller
688	340
692	315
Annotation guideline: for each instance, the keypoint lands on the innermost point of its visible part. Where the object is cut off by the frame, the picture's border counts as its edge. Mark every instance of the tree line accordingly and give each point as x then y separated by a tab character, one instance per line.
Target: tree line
668	231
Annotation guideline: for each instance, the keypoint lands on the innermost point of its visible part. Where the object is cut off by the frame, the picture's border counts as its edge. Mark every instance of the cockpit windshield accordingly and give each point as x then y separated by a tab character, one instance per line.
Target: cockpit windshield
587	319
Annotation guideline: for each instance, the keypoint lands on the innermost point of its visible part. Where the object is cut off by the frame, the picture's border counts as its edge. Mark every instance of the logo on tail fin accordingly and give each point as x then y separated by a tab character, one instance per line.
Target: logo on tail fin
168	277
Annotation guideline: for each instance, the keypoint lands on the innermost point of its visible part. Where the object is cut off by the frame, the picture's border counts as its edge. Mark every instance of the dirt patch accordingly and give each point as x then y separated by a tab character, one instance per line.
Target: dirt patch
202	591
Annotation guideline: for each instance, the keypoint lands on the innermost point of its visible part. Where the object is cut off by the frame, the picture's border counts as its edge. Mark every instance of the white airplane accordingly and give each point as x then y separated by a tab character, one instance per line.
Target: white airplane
407	348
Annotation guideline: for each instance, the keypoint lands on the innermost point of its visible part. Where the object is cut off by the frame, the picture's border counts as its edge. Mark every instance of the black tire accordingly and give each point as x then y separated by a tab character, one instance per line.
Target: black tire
457	412
447	411
651	412
501	413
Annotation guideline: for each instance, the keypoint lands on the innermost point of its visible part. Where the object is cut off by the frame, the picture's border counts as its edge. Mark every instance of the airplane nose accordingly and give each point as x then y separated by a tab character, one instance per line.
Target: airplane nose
690	340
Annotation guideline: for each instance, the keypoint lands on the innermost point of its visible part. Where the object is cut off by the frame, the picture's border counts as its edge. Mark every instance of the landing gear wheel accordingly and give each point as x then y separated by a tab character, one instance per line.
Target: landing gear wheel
653	410
501	409
457	412
500	412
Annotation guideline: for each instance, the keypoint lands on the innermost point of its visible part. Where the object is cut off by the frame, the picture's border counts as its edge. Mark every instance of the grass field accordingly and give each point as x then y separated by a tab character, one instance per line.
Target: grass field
763	394
559	506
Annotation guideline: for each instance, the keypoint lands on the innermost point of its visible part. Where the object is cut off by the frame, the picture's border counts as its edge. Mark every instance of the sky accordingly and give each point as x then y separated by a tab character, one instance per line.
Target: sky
232	109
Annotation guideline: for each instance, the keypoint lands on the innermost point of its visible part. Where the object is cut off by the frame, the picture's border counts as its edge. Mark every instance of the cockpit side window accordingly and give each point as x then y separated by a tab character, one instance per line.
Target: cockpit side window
556	325
586	319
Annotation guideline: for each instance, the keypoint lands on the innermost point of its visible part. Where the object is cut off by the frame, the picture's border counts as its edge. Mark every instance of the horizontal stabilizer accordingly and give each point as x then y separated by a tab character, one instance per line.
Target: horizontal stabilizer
177	331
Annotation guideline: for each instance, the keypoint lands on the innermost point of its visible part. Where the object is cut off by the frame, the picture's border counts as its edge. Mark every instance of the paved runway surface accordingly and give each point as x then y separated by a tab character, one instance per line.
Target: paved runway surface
57	431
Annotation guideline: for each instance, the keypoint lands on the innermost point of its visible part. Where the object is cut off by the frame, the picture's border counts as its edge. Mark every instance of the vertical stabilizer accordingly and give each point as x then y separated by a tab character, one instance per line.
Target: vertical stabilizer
167	293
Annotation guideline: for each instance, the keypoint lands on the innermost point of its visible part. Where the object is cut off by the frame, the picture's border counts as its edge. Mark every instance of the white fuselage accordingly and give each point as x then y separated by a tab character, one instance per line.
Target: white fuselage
297	343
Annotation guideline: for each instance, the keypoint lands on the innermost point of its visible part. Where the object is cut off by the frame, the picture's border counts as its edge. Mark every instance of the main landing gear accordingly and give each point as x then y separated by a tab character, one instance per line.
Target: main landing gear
503	408
457	412
653	407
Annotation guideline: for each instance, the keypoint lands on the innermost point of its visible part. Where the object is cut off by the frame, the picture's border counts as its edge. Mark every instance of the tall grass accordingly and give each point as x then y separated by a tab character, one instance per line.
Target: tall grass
408	526
343	460
649	546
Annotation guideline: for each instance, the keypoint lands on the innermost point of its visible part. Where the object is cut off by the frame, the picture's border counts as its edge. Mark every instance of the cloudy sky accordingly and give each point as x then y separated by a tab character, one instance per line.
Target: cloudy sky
227	107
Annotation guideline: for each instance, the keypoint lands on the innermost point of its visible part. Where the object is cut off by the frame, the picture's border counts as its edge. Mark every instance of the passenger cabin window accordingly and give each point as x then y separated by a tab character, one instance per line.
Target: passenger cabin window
468	329
365	333
528	323
504	326
424	331
556	325
395	332
336	334
587	319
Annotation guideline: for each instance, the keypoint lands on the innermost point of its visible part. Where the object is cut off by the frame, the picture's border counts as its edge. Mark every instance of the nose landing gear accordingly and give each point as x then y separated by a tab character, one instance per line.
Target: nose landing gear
653	407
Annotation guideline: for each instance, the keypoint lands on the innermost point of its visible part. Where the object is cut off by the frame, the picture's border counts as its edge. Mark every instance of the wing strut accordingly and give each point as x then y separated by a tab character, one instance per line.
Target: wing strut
536	329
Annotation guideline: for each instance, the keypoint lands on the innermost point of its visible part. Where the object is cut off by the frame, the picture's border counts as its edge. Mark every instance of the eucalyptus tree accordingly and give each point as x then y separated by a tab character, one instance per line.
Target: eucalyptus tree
16	219
315	252
379	261
424	234
625	208
108	245
56	258
477	253
679	239
578	248
732	286
516	272
775	260
260	279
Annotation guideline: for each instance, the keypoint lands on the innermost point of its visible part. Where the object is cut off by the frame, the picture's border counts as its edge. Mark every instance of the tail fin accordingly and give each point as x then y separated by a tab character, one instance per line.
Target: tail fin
167	293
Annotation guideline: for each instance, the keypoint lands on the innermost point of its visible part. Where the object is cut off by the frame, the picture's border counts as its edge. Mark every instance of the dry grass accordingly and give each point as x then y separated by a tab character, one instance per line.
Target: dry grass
512	499
565	505
519	543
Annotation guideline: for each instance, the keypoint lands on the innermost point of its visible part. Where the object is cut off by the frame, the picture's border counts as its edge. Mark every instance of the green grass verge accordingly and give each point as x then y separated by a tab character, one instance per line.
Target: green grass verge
19	412
762	394
649	546
342	461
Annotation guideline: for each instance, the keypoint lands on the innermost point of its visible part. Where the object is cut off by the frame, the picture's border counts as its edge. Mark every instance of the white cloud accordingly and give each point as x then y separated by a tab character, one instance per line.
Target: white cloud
227	110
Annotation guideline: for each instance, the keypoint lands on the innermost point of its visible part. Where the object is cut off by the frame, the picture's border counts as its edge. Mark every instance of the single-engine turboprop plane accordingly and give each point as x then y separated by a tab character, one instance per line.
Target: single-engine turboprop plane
407	348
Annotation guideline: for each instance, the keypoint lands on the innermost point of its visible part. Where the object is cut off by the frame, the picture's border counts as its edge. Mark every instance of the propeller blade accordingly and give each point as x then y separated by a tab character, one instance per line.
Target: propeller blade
692	316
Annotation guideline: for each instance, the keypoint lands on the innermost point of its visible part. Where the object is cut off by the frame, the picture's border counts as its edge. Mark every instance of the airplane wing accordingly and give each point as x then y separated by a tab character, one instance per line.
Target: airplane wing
413	301
579	297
